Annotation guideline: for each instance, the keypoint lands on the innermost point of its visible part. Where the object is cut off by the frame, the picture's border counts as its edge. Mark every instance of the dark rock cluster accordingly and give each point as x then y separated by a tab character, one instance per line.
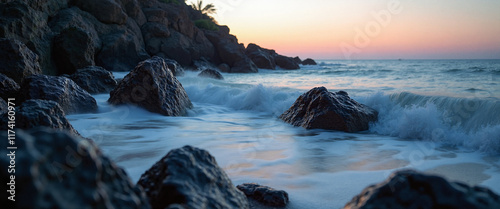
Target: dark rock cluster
264	194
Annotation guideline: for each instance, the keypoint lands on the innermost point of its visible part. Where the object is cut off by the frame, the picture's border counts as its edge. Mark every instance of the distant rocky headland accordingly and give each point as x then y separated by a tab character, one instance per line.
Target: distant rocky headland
55	53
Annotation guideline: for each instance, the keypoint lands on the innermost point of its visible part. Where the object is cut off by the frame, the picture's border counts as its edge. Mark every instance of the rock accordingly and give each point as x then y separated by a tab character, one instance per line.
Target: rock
26	21
297	60
211	73
17	61
106	11
122	49
224	68
264	194
94	79
8	87
133	10
319	108
37	113
230	52
411	189
189	177
3	110
200	65
263	58
152	86
59	170
73	49
64	91
309	61
286	63
174	67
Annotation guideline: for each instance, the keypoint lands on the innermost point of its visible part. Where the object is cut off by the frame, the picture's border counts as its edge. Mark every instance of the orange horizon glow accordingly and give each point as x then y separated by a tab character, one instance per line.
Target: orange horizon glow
424	29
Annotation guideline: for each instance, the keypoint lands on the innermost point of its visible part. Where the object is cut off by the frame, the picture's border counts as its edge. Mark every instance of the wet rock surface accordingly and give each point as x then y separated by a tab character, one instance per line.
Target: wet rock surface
211	73
319	108
94	79
189	177
59	170
71	97
152	86
264	194
411	189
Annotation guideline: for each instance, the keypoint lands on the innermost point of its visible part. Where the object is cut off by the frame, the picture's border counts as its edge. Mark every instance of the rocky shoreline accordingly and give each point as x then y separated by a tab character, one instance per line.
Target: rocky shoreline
55	53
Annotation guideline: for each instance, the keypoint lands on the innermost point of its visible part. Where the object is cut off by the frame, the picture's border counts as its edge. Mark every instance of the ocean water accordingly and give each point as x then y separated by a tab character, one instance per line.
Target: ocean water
437	116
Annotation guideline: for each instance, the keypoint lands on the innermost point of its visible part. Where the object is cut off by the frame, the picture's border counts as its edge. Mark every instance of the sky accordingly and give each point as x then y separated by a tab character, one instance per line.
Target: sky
367	29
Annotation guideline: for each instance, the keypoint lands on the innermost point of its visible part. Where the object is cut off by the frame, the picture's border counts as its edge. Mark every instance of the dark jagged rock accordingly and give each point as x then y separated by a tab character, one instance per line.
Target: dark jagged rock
94	79
189	177
37	113
8	87
59	170
152	86
263	58
309	61
106	11
71	97
73	49
230	52
297	60
411	189
174	67
26	21
211	73
286	63
17	61
319	108
264	194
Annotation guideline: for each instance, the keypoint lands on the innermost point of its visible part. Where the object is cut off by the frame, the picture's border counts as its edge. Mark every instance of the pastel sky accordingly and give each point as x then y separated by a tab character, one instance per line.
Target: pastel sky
367	29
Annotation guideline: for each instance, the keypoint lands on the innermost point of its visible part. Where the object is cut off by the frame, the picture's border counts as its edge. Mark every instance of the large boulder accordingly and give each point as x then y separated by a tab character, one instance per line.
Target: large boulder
17	61
263	58
189	177
309	61
106	11
94	79
73	49
37	113
211	73
152	86
71	97
319	108
411	189
286	63
264	194
59	170
8	87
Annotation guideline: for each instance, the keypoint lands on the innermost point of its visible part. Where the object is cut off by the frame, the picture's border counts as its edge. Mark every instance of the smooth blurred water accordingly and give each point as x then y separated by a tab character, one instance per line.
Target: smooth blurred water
438	116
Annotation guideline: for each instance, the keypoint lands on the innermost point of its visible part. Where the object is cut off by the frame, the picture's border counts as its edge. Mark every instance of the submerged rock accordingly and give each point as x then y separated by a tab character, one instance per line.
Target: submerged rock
411	189
189	177
71	97
8	87
319	108
94	79
264	194
59	170
17	61
37	113
211	73
152	86
309	61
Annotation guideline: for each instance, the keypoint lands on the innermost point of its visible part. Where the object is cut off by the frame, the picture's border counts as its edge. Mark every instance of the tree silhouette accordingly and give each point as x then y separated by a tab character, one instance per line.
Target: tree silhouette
207	9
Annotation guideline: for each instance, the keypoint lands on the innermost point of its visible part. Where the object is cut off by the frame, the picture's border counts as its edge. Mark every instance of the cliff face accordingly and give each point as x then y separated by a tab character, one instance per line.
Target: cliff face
115	34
